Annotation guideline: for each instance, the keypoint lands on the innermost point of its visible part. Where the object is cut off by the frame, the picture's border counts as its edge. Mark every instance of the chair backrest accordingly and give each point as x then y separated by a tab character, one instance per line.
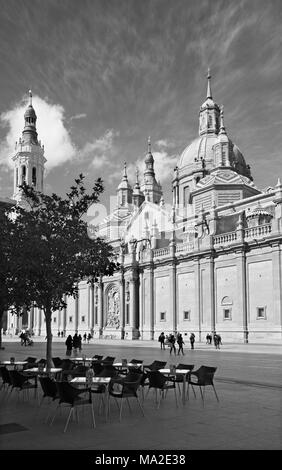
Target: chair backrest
80	370
205	375
185	366
67	393
97	367
97	357
108	371
156	379
67	364
42	361
108	359
157	365
5	375
130	384
136	361
57	361
17	379
48	386
30	359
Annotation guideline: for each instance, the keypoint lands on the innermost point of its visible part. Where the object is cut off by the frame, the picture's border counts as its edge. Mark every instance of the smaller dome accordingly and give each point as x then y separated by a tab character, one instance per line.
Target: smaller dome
149	158
30	112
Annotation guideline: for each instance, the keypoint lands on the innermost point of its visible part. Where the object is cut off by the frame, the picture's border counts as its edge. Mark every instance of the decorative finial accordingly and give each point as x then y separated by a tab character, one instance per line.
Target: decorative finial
30	98
209	93
222	126
149	144
124	171
137	175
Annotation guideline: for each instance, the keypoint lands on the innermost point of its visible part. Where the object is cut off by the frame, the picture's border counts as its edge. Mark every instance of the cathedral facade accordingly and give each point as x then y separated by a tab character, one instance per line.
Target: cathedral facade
209	260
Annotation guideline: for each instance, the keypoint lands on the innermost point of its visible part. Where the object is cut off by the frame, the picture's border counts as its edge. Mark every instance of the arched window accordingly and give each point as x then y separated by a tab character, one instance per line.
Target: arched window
23	173
17	176
226	300
34	176
227	310
210	121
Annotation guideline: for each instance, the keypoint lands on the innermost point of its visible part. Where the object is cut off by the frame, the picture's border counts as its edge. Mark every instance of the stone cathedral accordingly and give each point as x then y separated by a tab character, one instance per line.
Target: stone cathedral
209	260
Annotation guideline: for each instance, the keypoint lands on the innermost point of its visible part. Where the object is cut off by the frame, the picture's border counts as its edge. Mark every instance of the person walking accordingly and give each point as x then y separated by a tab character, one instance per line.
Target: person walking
68	344
84	336
75	343
192	340
180	343
162	340
89	337
172	344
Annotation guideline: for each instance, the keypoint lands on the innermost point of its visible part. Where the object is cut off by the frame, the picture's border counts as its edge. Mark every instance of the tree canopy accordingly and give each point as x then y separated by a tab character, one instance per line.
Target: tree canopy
52	250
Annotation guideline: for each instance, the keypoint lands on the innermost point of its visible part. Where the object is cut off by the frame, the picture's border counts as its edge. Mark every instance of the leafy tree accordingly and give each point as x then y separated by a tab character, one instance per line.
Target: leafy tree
13	295
54	250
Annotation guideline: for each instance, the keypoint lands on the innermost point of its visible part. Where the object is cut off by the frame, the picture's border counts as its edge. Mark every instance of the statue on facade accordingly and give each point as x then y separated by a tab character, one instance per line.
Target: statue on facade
113	318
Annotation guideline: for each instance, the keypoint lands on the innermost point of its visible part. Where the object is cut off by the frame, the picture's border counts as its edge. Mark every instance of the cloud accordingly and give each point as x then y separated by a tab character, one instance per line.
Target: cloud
100	151
78	116
50	127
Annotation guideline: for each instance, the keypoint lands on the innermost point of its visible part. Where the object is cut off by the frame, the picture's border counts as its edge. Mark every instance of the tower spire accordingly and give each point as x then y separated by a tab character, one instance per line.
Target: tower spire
30	97
209	93
124	177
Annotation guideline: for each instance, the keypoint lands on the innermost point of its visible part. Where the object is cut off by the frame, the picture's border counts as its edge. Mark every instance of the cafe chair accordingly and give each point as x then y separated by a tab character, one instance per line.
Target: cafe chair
108	360
125	389
21	382
31	362
203	378
161	384
96	357
155	365
49	390
57	361
6	379
71	397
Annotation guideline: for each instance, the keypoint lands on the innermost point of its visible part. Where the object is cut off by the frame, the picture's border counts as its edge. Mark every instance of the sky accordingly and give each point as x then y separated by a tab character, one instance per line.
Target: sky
106	74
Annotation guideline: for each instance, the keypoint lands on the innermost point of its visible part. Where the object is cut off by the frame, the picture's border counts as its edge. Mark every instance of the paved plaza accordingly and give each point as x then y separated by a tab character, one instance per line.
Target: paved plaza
248	416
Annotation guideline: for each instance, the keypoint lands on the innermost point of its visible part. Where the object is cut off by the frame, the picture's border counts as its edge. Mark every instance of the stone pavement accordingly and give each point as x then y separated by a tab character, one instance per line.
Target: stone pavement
248	416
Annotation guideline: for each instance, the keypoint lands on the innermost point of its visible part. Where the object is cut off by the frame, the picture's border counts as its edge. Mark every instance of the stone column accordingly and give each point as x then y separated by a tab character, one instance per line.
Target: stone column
76	312
100	307
198	294
277	285
91	306
173	307
152	296
212	293
64	324
243	281
122	305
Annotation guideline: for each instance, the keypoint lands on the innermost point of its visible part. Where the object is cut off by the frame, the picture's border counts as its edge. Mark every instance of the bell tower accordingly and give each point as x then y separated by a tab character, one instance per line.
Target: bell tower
29	158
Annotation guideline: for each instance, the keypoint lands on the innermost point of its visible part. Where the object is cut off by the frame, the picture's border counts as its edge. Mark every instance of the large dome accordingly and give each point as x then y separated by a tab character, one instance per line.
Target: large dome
202	147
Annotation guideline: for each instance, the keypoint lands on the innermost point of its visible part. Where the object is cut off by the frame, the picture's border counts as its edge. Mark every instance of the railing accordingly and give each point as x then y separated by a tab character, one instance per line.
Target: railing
158	253
258	231
188	246
225	238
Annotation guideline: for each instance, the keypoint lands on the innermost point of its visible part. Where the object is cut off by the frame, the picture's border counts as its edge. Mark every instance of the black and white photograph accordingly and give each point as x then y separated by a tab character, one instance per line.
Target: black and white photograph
140	231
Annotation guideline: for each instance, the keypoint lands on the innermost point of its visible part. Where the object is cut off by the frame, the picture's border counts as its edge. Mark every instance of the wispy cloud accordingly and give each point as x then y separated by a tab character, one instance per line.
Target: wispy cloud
78	116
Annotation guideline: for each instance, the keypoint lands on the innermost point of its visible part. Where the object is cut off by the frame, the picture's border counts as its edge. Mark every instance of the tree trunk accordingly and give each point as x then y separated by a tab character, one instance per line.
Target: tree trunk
1	319
48	318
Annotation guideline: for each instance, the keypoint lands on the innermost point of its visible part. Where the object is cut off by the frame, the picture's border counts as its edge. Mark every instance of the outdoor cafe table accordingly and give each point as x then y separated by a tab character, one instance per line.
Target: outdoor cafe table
182	372
37	371
83	359
16	364
121	365
94	381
